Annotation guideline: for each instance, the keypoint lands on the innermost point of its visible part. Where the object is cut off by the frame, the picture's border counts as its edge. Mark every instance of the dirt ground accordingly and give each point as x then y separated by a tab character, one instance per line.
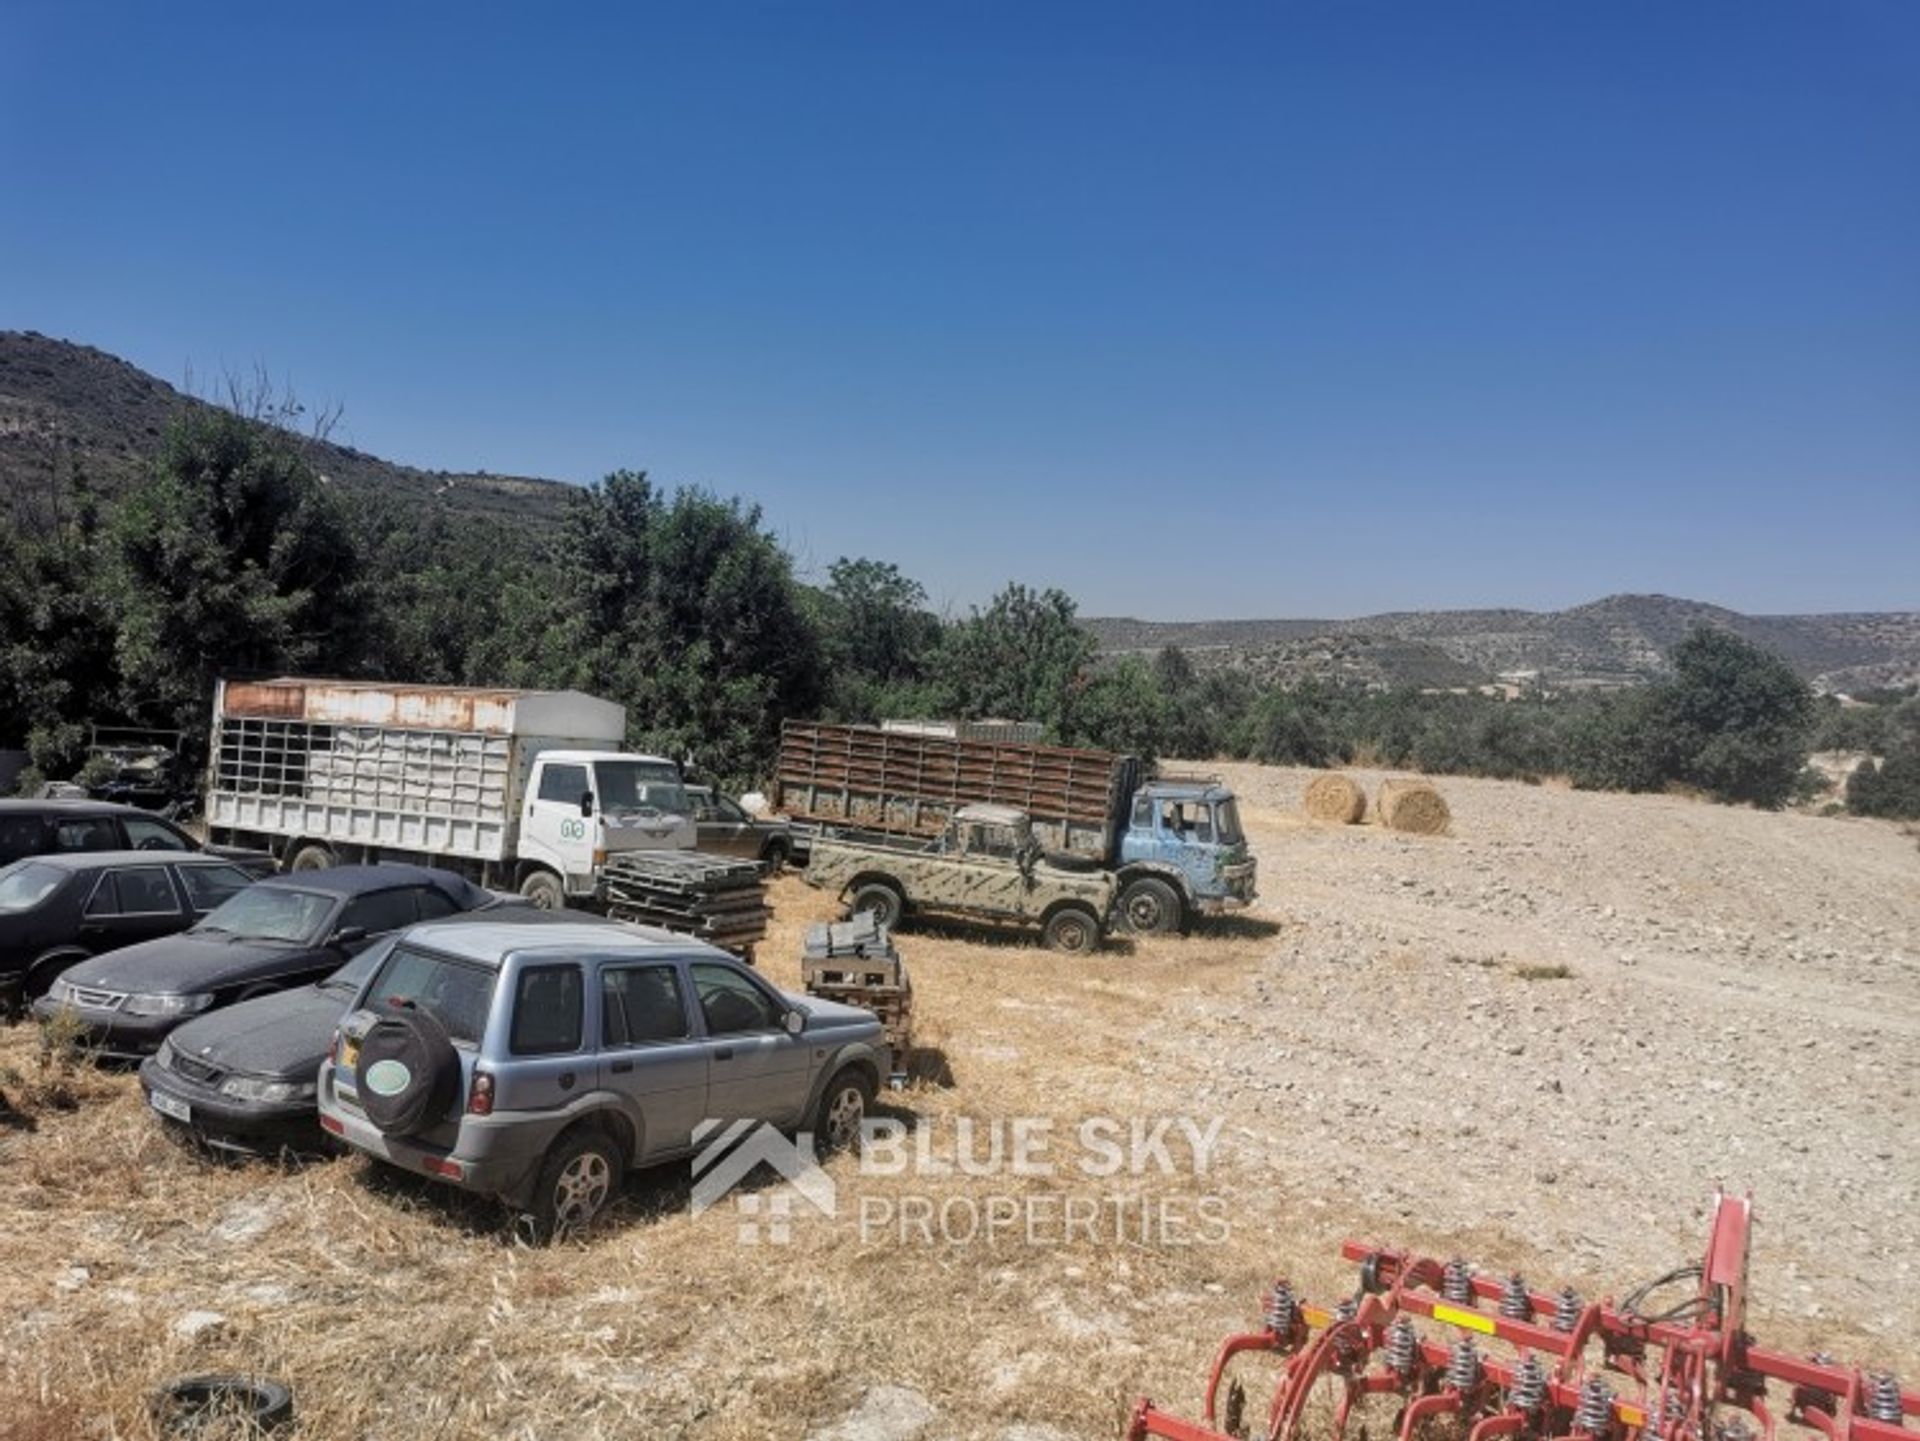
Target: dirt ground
1538	1042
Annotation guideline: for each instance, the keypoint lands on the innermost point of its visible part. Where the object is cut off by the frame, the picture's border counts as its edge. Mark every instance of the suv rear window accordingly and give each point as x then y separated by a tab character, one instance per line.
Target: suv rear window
546	1011
455	994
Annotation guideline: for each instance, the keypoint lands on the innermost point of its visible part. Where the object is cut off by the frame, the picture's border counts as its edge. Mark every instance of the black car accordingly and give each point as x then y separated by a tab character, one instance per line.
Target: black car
48	827
287	931
58	910
242	1079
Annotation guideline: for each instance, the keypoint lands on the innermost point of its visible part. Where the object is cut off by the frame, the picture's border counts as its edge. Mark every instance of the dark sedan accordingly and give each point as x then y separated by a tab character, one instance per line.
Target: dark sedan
51	827
57	911
288	931
242	1079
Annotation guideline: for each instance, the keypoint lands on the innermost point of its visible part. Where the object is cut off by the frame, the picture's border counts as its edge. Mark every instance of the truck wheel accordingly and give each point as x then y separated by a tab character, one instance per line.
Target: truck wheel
776	857
884	901
1072	930
543	888
1151	907
581	1174
843	1106
311	858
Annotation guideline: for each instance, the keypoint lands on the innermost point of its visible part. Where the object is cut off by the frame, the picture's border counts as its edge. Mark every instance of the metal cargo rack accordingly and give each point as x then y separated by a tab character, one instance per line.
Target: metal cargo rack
716	899
854	963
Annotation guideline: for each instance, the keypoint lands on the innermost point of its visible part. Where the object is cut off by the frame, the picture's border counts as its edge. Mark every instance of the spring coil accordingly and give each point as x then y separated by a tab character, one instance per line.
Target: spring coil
1514	1302
1566	1309
1346	1346
1399	1347
1463	1366
1283	1311
1883	1398
1456	1282
1529	1385
1663	1420
1595	1412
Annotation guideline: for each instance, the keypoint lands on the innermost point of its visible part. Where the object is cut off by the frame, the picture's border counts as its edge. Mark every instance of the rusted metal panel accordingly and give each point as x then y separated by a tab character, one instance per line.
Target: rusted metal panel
470	710
265	700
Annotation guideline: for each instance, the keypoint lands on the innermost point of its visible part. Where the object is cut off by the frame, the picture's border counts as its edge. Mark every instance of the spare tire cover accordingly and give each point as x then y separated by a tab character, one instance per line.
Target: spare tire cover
408	1072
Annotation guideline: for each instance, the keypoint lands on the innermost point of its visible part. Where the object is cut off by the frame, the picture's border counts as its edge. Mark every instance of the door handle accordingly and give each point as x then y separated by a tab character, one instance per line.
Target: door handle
724	1054
620	1068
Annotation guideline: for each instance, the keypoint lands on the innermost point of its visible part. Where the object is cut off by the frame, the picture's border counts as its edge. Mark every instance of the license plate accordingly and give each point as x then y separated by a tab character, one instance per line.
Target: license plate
167	1106
349	1054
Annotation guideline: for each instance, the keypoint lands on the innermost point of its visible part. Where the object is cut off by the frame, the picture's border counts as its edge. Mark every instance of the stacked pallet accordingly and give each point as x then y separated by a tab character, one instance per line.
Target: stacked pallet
854	963
717	899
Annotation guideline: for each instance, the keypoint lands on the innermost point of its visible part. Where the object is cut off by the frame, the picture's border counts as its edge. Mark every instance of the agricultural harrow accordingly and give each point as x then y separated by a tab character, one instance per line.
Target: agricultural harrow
1408	1356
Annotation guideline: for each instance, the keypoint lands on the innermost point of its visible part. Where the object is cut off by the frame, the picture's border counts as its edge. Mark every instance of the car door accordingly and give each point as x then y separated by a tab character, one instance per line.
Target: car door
758	1070
130	904
556	829
85	833
549	1062
650	1054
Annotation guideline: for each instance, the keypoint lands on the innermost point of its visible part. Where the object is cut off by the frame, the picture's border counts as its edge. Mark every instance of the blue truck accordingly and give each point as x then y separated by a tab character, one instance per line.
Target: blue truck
1173	843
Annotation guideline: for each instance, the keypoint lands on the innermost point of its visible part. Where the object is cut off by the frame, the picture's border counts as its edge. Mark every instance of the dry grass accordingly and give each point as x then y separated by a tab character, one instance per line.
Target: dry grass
1336	798
1413	806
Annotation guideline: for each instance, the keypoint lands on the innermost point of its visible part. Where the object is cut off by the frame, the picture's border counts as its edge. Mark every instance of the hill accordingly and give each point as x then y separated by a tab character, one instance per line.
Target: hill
62	404
1620	640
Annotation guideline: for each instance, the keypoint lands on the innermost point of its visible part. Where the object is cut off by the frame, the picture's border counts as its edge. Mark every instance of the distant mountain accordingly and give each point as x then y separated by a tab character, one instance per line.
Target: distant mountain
61	402
1620	640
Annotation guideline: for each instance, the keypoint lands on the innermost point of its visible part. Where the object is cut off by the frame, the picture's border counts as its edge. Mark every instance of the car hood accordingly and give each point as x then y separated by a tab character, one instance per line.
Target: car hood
286	1034
827	1016
187	963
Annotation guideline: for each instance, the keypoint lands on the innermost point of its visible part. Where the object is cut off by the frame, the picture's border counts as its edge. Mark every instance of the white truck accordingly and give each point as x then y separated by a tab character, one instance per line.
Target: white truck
516	789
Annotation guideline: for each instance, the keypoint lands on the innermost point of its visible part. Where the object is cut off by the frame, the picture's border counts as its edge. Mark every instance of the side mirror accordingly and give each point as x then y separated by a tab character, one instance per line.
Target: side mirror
796	1022
586	803
347	936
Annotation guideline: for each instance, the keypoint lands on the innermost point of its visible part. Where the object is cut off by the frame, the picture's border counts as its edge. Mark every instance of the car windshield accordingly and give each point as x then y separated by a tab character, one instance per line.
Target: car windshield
640	786
25	884
1226	820
455	994
271	913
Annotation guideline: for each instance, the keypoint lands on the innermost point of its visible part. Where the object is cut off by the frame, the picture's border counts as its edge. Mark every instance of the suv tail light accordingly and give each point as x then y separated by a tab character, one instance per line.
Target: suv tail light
480	1095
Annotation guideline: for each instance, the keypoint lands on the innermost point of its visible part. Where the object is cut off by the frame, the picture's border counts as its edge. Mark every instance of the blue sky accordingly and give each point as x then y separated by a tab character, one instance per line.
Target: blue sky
1194	310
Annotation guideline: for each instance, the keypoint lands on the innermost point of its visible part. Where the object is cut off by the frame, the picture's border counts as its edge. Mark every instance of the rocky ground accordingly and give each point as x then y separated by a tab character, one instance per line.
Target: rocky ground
1538	1042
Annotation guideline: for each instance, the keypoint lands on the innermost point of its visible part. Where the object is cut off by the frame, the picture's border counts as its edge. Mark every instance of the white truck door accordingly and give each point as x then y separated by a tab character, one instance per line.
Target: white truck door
554	831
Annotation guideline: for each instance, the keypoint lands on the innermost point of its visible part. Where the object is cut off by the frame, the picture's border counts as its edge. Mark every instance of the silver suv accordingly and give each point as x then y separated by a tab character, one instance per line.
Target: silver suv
540	1065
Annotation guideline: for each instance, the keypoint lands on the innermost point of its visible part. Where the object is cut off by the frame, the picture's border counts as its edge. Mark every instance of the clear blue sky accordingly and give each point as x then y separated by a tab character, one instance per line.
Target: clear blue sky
1194	310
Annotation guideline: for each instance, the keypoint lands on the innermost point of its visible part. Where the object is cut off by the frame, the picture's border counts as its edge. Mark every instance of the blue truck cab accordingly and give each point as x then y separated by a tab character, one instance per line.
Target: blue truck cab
1183	853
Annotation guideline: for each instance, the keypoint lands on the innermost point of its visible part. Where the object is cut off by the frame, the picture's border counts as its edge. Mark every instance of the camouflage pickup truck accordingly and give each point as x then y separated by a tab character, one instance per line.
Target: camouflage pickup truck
987	867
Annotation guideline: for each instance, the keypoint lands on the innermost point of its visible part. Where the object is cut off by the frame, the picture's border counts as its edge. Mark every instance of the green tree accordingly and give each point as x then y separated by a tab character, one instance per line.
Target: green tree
1122	707
1739	718
877	635
229	558
1025	657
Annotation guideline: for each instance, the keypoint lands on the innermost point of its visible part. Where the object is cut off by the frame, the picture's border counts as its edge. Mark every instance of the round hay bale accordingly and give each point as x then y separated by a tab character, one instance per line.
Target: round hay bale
1410	805
1336	798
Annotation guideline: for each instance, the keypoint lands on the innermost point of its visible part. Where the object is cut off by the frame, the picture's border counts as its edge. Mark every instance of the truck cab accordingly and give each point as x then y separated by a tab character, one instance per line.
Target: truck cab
582	806
1183	853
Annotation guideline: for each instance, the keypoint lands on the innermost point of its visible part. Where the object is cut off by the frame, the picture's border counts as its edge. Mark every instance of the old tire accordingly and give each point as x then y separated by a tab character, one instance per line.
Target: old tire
408	1072
579	1177
194	1404
843	1106
883	900
1151	907
543	888
1072	930
311	858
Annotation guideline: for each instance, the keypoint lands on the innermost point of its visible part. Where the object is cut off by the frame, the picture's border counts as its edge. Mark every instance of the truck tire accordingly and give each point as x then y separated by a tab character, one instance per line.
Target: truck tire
883	899
311	858
1151	907
1073	930
543	888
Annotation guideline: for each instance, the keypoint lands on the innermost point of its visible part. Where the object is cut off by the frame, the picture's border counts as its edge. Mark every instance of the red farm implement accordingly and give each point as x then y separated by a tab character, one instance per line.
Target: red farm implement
1427	1349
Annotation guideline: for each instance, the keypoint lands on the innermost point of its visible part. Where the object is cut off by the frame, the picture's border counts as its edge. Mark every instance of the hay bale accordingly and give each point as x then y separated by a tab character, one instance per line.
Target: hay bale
1336	798
1410	805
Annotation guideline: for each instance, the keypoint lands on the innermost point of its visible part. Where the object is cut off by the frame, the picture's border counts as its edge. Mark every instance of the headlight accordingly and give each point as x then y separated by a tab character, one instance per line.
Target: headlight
138	1005
163	1058
257	1088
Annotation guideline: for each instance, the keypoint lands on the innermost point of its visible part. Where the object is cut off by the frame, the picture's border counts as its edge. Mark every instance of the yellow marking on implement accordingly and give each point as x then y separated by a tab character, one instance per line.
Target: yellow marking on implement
1316	1317
1633	1415
1455	1317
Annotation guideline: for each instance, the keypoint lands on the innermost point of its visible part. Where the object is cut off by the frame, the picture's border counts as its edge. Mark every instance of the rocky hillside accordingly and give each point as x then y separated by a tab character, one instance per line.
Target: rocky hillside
63	404
1619	640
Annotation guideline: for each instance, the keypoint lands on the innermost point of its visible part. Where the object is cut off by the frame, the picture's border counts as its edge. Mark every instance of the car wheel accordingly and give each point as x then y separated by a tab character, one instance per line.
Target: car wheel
194	1404
580	1176
543	888
883	901
842	1109
44	972
1072	930
311	858
776	857
1150	907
